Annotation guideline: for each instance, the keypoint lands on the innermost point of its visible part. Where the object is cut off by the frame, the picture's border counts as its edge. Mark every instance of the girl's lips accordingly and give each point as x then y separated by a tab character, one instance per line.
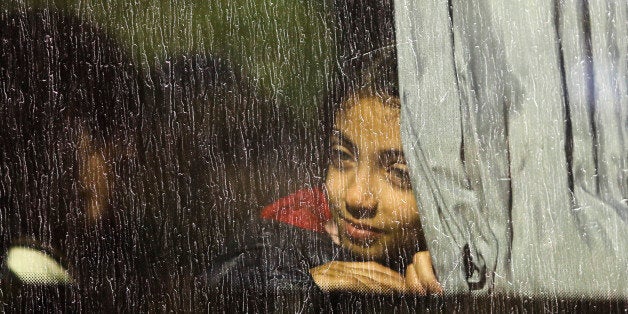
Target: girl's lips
360	233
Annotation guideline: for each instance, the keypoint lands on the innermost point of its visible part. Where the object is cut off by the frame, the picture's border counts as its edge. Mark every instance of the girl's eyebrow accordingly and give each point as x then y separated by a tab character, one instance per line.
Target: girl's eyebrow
342	139
391	156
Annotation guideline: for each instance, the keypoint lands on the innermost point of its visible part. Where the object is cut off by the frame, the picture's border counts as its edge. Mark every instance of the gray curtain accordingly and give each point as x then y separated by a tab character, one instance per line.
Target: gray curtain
515	126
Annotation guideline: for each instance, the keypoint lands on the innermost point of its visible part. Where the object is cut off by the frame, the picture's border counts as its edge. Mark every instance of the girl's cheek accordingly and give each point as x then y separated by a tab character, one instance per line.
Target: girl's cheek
335	189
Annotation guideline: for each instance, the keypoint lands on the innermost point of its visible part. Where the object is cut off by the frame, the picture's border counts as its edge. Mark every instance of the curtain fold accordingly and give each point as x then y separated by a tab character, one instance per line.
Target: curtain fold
515	122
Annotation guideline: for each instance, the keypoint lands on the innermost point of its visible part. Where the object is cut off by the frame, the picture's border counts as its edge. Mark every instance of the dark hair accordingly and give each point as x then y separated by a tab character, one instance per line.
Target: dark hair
363	26
61	78
372	74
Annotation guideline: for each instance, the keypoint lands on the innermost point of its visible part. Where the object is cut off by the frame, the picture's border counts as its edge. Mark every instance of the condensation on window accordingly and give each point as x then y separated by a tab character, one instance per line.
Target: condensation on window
313	156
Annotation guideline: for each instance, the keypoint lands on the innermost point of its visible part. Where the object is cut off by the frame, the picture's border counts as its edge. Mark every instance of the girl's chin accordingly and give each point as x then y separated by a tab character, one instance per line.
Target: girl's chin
367	253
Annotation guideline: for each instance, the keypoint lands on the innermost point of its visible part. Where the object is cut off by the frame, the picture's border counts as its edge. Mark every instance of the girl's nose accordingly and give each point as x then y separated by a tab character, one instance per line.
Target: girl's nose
360	200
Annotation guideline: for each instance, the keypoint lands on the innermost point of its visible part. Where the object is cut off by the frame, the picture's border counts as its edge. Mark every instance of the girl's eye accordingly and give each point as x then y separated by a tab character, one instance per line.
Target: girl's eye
399	176
340	157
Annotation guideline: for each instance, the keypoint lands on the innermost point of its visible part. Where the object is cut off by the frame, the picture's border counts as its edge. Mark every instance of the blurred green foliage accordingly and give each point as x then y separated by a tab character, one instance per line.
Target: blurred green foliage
285	46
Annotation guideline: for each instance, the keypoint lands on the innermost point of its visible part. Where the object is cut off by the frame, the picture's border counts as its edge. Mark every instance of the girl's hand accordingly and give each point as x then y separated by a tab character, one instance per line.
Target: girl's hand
365	277
371	277
420	277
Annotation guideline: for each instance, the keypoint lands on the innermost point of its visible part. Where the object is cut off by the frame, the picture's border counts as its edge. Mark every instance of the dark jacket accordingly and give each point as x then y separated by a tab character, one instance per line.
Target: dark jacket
269	268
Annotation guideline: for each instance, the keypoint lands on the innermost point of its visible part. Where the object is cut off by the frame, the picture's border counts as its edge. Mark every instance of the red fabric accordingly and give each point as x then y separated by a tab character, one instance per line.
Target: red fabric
307	209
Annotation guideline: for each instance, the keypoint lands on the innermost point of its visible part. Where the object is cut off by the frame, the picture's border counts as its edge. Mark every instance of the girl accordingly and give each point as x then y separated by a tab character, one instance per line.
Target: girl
361	232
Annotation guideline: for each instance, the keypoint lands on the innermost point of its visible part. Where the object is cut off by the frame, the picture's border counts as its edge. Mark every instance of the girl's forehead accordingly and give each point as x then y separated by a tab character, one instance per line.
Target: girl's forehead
368	112
369	122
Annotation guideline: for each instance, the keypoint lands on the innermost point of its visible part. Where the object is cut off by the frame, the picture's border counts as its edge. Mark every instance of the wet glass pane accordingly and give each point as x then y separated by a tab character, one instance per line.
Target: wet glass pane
313	156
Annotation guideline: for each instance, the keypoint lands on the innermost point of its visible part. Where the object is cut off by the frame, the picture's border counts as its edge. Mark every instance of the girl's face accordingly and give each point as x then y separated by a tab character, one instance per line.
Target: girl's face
368	184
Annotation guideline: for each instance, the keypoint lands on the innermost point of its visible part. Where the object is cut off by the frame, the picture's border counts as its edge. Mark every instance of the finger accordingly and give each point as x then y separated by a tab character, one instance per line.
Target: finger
375	269
423	266
380	280
363	276
379	285
330	277
413	283
334	280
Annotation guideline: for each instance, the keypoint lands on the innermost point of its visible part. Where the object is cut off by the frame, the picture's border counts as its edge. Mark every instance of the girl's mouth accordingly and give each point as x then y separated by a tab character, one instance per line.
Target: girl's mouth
360	234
